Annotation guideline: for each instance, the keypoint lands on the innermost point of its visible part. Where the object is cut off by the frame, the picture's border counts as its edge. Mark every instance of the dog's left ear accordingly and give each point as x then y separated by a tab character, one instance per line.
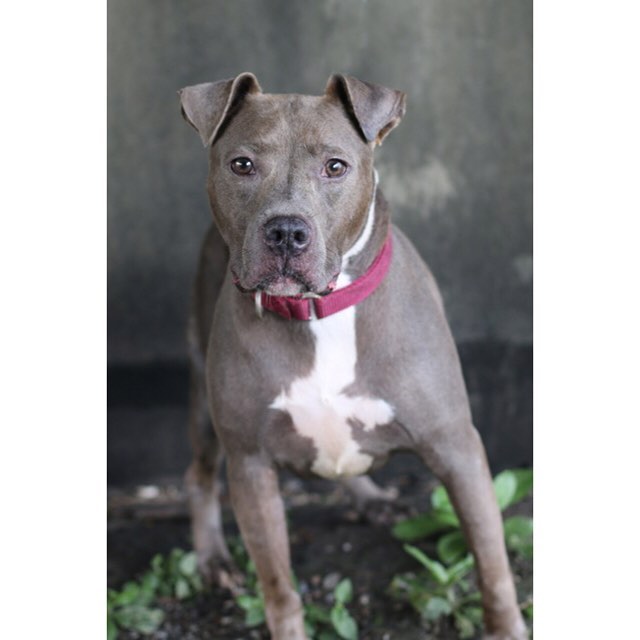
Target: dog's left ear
376	109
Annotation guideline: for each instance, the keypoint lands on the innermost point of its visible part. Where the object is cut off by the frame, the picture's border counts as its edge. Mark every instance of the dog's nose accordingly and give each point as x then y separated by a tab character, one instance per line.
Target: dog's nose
287	235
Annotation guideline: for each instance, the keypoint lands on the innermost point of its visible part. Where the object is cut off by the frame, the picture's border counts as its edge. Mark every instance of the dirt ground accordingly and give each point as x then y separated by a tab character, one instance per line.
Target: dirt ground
329	541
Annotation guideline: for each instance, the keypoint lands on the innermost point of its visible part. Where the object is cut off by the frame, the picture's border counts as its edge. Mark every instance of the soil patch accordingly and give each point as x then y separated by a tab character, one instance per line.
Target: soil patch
329	541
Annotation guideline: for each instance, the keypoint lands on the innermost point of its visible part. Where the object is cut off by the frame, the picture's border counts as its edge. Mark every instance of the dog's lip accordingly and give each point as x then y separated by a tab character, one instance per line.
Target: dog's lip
283	285
266	283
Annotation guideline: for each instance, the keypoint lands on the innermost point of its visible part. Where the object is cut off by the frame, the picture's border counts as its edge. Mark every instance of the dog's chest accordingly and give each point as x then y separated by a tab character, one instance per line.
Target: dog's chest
322	411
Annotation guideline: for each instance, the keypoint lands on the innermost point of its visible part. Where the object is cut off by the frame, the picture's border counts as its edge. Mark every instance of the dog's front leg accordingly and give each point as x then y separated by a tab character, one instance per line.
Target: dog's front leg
259	511
457	456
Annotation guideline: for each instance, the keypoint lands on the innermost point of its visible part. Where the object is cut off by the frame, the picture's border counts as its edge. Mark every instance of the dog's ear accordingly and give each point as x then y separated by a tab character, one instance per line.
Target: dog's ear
207	107
376	109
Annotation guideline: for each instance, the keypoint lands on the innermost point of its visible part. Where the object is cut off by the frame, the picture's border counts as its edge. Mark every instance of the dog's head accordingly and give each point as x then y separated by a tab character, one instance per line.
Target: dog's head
290	176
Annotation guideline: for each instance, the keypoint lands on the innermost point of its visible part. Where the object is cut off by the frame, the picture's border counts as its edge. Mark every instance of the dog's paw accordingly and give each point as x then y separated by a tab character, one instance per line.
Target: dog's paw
222	573
517	631
390	494
289	630
287	621
365	492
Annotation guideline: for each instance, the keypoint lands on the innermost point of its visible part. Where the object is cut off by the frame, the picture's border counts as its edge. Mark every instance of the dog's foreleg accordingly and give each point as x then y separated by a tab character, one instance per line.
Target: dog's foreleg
203	482
259	511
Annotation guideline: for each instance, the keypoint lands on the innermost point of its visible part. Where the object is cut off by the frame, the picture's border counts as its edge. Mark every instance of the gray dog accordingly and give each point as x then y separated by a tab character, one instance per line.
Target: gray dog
318	339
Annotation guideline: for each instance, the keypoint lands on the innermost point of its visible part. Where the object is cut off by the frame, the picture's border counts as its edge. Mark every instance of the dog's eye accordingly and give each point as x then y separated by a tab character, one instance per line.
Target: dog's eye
335	168
242	166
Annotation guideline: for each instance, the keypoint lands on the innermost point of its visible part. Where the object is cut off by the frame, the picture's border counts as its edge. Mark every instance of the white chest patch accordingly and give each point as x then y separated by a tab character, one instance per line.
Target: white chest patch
317	404
321	411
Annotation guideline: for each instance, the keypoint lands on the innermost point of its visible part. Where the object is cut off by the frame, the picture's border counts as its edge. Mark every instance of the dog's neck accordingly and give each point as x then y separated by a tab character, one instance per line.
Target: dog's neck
368	246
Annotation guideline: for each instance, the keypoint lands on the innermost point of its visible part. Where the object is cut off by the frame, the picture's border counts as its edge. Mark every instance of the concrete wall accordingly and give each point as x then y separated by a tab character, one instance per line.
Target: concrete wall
457	171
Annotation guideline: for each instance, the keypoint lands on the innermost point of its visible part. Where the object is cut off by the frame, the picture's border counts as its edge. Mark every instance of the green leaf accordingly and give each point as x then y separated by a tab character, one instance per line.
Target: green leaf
416	589
401	585
424	525
528	611
474	596
309	628
439	573
112	596
189	564
254	609
112	629
172	566
173	559
526	551
148	587
150	621
518	534
440	500
315	613
128	595
524	483
436	607
505	485
343	591
182	589
140	619
520	526
248	602
451	547
254	616
196	583
157	563
343	623
475	614
464	626
460	569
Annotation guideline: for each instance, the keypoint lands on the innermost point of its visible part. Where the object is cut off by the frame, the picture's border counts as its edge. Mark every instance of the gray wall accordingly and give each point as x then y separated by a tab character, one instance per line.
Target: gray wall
458	170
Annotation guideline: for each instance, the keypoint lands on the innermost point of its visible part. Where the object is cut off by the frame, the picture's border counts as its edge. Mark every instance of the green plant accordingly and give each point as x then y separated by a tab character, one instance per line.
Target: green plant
320	623
177	574
132	607
343	623
510	487
440	592
443	589
252	601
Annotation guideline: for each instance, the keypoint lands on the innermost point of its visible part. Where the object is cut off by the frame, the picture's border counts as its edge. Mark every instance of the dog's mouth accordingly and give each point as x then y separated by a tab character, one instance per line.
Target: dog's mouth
288	283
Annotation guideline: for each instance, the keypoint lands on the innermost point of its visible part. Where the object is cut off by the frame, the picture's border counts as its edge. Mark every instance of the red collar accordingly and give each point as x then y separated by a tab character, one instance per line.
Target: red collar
300	307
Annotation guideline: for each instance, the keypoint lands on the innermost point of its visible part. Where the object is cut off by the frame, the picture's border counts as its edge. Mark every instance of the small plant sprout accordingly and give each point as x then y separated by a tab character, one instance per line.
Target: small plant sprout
443	588
440	592
510	486
320	623
132	607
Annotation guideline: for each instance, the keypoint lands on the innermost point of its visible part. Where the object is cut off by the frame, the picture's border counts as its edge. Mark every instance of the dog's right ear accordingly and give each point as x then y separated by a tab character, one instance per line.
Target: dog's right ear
207	107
